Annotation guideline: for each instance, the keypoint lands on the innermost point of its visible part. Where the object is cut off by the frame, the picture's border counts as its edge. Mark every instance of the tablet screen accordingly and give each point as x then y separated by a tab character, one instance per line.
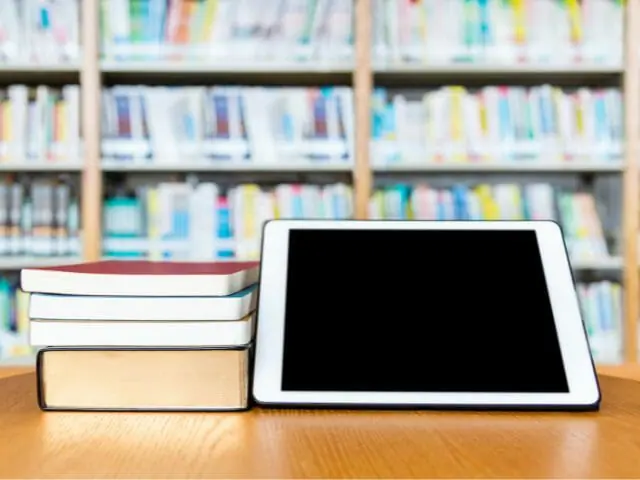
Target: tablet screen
419	311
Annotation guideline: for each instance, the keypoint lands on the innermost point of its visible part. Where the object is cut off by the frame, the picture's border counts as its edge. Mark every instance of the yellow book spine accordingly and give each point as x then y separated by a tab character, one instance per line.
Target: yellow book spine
154	224
487	204
581	221
250	198
22	311
578	108
516	198
210	10
456	97
520	20
484	120
575	19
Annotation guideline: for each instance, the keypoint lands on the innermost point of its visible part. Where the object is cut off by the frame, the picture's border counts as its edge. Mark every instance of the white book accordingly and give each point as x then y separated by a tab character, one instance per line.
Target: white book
161	309
56	333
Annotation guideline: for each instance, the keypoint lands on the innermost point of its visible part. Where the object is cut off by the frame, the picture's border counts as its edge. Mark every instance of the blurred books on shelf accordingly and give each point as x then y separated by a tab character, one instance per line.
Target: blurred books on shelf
40	126
497	125
497	32
228	31
576	212
601	306
36	32
227	126
39	218
206	221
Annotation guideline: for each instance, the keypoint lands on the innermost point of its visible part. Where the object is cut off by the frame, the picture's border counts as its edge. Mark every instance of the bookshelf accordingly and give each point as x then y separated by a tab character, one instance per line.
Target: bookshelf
367	72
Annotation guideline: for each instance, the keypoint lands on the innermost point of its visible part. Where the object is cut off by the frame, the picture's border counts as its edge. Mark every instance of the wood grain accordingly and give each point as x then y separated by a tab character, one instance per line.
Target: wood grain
11	371
362	89
319	444
90	88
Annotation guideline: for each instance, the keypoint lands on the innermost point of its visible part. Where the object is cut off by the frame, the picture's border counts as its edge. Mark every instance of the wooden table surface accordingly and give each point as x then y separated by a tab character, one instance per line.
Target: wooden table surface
320	444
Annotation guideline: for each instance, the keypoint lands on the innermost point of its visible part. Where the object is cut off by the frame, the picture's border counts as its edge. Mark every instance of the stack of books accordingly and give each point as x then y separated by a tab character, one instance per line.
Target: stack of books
143	335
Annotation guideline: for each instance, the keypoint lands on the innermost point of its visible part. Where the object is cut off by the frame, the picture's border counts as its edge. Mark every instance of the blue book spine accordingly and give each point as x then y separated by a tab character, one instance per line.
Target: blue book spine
378	113
224	232
600	117
298	207
485	22
504	113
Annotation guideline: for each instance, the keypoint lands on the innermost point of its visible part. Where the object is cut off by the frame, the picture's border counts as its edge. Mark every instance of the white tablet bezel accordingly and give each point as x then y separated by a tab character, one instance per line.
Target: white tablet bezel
583	386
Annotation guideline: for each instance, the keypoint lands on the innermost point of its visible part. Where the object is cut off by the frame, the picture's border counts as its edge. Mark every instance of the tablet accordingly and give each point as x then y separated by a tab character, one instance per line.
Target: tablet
460	314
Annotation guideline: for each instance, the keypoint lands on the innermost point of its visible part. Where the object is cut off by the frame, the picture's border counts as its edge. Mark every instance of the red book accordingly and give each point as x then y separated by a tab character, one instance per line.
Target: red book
142	278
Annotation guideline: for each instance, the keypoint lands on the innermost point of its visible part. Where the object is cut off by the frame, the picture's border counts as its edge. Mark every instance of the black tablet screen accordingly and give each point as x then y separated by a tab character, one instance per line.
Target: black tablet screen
419	311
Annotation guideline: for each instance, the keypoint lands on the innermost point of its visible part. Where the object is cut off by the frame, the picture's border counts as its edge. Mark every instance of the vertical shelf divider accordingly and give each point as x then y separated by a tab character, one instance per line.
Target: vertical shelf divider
630	210
90	86
362	89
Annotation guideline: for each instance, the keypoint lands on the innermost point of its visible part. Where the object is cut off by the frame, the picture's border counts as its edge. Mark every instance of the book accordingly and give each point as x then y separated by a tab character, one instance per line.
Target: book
167	309
142	278
182	333
143	379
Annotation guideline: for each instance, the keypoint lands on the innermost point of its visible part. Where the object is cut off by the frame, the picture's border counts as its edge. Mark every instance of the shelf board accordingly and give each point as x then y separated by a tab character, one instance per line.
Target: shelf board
515	166
40	167
222	167
18	262
497	69
186	67
39	73
193	72
609	263
479	75
40	68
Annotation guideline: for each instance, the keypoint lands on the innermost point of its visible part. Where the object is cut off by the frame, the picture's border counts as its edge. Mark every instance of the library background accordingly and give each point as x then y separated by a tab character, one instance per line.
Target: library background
171	129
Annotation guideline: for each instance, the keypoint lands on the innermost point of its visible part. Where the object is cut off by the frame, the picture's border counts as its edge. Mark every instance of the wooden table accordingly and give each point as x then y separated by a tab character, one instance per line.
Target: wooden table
321	444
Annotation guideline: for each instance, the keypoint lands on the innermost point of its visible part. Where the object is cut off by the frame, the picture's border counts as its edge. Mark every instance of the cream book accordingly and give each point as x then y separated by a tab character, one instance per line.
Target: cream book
143	379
